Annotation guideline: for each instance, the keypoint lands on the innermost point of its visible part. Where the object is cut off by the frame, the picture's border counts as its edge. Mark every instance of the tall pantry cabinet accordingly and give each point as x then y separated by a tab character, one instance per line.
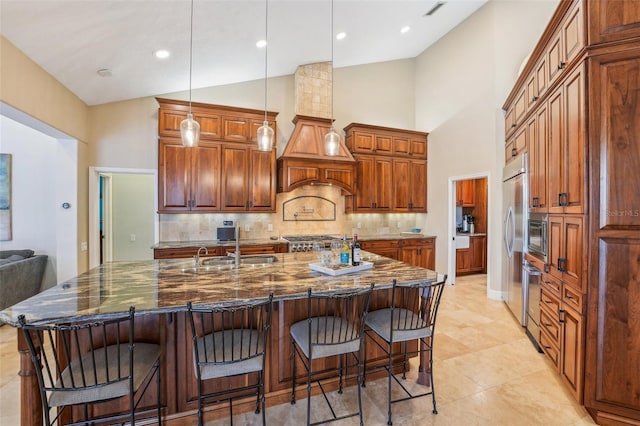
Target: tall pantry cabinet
577	102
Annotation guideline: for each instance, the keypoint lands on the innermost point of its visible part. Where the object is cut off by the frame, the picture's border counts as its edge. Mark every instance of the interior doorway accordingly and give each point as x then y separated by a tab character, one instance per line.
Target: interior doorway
123	221
468	225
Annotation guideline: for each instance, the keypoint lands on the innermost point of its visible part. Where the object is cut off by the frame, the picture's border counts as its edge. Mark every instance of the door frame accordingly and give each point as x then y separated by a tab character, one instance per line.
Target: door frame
94	206
451	246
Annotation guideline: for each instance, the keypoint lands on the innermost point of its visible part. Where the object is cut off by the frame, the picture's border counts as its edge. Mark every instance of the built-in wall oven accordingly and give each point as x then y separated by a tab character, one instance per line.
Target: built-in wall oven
537	229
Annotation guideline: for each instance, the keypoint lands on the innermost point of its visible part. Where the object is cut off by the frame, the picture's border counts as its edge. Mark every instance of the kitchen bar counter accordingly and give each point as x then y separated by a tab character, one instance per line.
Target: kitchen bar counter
160	289
161	286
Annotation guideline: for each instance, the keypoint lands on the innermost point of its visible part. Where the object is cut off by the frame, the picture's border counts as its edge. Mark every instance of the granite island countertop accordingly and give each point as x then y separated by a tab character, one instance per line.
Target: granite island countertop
160	286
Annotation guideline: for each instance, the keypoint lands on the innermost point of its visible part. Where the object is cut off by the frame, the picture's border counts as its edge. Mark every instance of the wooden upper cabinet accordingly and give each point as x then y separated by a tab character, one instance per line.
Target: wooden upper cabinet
520	107
189	178
374	183
565	249
537	134
248	181
466	193
378	140
516	145
567	42
225	172
509	121
411	196
613	21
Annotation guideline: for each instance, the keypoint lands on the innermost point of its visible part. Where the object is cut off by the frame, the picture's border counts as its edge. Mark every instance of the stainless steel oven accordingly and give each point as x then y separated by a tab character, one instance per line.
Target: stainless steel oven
537	231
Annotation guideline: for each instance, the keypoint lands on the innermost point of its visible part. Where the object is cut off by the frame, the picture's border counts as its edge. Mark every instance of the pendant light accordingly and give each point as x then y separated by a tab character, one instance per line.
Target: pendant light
332	139
265	133
189	128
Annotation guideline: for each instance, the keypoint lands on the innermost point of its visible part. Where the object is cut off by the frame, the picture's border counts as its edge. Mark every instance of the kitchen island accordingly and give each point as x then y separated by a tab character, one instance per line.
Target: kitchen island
160	290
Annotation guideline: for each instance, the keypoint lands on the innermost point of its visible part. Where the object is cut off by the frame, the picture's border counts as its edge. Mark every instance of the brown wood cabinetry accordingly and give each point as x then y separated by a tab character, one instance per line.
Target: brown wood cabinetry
567	154
516	145
418	252
593	196
472	260
217	250
612	381
466	193
391	169
387	248
225	172
565	249
537	131
188	178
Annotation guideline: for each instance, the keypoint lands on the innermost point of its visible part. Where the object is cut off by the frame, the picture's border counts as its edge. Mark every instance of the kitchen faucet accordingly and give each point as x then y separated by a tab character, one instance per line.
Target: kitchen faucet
236	255
196	258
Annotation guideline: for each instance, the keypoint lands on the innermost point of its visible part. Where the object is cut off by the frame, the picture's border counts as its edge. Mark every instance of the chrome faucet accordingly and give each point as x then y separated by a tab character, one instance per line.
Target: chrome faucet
196	258
236	254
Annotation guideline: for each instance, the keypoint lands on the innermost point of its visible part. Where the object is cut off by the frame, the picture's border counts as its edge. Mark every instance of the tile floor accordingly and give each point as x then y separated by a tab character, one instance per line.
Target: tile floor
486	373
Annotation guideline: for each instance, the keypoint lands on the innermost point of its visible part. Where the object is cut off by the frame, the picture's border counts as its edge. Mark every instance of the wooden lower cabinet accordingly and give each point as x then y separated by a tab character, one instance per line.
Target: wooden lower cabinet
418	252
472	260
562	332
187	252
387	248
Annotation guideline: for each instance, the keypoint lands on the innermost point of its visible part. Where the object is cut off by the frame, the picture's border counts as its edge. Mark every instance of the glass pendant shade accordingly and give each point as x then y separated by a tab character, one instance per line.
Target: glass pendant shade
332	142
265	137
190	131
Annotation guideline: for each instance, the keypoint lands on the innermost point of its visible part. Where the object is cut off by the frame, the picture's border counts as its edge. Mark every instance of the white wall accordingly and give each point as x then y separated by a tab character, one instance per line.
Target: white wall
461	84
132	212
43	176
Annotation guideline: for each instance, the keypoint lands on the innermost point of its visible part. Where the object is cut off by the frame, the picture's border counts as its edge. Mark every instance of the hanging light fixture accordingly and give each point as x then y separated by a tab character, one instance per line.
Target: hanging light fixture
332	139
265	133
189	128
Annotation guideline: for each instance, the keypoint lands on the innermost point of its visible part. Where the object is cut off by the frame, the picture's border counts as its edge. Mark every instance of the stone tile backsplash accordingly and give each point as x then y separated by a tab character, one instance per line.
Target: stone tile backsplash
196	227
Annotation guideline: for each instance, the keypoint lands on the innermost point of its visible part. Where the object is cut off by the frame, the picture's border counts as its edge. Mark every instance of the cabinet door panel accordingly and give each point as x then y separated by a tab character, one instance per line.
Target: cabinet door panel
209	125
555	58
478	254
620	105
613	20
262	180
363	142
556	167
572	36
205	178
174	177
555	245
401	196
541	158
383	145
574	159
417	186
571	352
384	183
235	129
235	162
365	170
572	243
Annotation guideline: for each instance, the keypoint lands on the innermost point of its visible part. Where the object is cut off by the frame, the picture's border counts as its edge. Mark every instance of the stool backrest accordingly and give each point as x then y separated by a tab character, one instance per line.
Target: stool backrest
415	306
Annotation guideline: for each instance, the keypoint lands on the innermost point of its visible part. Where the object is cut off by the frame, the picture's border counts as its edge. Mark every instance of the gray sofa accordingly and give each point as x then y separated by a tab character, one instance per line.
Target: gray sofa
21	275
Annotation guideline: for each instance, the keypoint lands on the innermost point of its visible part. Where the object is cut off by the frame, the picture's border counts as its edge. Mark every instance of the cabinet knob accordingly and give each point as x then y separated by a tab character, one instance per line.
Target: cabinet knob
534	98
561	65
534	202
514	152
514	125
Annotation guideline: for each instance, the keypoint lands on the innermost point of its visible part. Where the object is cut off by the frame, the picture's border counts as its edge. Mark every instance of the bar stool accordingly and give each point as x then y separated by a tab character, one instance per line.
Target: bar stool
89	362
230	341
411	316
334	327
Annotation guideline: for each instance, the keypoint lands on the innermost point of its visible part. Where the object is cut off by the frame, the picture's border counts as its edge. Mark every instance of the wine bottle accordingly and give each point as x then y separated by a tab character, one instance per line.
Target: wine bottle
355	251
344	251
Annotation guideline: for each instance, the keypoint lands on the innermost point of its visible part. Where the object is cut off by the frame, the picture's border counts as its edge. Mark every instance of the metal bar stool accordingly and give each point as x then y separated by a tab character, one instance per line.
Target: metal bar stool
411	316
230	341
89	362
334	327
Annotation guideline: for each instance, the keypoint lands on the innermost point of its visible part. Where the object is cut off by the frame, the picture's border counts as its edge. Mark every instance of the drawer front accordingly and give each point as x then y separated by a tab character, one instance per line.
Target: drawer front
549	302
378	244
550	325
551	284
572	297
549	348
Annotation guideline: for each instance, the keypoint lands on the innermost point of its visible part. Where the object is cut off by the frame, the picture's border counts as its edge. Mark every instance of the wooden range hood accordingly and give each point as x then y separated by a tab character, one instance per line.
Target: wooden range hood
305	163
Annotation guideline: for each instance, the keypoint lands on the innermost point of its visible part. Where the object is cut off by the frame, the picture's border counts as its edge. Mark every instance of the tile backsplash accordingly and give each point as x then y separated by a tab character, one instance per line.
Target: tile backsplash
196	227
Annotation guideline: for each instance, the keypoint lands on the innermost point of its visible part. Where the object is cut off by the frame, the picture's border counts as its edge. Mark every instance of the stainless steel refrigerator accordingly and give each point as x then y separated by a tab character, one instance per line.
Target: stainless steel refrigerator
514	214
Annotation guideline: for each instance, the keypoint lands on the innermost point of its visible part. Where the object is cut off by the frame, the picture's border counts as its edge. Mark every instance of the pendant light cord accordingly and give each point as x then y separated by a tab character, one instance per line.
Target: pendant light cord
332	64
266	50
190	54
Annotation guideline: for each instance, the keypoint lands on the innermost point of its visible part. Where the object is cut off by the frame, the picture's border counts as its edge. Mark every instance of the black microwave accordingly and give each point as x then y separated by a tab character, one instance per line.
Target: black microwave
537	228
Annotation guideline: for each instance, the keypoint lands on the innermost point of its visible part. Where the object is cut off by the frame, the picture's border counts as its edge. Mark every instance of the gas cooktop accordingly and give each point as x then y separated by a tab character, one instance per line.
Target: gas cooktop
303	238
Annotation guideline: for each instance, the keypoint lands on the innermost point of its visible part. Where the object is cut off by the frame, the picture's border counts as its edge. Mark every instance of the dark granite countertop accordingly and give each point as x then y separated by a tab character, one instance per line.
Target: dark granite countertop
157	286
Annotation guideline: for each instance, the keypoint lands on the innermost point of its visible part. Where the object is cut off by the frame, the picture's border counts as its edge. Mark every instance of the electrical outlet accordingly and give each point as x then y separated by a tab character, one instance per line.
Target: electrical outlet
132	237
270	227
399	225
247	228
83	246
359	225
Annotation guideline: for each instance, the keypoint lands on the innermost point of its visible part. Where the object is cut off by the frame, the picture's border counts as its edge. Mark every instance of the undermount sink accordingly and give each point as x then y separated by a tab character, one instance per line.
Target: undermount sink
258	260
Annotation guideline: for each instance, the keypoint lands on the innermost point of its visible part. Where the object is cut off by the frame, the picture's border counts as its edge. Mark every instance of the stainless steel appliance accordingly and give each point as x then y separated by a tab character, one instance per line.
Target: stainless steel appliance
532	279
514	210
298	243
537	235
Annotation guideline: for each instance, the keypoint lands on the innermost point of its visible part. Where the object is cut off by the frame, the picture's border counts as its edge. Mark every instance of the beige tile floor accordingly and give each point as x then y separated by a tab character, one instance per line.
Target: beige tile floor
486	373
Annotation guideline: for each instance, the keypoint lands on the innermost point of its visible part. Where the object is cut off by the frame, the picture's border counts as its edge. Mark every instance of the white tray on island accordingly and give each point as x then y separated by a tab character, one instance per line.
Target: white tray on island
340	269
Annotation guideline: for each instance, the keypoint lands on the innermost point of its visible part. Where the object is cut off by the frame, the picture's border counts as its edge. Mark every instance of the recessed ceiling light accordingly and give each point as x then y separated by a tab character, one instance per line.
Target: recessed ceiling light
104	72
341	35
405	29
161	54
261	43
